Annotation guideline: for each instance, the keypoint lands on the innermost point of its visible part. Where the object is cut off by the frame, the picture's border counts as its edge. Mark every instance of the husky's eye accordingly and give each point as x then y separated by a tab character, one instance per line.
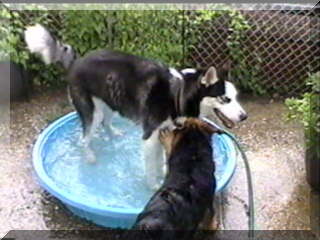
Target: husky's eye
65	48
226	99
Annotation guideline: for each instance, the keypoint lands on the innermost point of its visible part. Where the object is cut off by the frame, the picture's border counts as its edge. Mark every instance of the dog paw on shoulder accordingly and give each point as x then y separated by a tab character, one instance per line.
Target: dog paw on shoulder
164	133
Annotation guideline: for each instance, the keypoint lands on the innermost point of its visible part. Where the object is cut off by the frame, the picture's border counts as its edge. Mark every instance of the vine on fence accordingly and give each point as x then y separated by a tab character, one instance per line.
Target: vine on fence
85	30
129	31
153	34
247	75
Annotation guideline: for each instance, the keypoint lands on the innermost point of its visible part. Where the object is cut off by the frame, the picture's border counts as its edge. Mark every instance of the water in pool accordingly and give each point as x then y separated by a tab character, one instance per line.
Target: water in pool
117	178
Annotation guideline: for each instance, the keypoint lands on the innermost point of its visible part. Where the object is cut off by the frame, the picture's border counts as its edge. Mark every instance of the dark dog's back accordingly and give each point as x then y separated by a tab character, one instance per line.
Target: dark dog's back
187	193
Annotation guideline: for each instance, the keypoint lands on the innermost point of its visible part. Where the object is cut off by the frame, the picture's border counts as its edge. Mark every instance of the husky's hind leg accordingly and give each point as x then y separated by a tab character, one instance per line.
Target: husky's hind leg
91	117
107	117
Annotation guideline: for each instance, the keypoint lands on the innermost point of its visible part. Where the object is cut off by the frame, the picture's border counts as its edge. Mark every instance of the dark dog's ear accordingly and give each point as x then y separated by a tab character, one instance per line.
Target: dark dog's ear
210	77
225	69
179	123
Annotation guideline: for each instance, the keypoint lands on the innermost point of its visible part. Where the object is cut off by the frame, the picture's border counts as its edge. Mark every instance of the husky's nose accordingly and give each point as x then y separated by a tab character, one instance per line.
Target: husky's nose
243	116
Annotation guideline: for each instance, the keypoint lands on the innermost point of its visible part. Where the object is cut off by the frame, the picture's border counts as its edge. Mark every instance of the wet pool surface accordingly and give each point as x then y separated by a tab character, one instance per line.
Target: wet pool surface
274	148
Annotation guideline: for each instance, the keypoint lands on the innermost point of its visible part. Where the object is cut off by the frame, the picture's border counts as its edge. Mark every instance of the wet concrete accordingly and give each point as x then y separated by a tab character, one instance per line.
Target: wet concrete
274	148
276	154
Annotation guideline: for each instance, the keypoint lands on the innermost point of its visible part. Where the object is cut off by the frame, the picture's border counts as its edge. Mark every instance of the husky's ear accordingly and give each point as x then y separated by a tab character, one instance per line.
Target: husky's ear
225	69
210	77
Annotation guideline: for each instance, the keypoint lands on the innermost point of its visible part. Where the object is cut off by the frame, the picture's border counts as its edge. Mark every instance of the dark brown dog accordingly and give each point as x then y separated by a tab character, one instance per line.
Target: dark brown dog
187	193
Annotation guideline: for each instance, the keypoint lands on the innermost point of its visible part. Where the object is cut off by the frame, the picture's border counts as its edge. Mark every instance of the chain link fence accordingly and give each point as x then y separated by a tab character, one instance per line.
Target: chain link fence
282	45
274	54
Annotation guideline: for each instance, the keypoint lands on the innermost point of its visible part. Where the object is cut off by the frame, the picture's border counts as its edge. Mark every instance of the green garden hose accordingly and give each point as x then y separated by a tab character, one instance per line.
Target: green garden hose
251	223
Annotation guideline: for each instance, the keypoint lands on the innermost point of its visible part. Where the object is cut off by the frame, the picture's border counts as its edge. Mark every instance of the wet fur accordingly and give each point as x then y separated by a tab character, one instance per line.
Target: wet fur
187	194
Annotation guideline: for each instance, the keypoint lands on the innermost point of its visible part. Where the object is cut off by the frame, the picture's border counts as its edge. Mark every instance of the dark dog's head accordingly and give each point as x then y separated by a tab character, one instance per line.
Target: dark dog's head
175	134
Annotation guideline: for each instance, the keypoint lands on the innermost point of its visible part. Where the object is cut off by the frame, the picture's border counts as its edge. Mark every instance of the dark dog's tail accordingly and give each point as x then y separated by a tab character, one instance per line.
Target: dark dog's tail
40	41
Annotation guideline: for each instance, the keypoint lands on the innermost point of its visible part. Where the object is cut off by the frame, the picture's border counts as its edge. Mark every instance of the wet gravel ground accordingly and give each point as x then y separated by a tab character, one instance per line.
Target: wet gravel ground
274	148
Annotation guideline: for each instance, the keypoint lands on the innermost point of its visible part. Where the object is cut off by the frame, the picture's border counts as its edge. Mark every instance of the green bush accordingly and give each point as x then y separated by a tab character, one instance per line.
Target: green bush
86	30
157	34
129	31
153	34
307	108
247	75
13	47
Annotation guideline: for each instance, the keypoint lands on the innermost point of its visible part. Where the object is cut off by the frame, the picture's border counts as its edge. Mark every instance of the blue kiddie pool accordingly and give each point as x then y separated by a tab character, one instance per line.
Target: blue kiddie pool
112	191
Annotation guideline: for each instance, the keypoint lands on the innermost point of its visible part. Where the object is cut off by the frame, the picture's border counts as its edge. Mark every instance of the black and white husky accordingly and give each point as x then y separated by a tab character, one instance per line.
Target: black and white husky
147	92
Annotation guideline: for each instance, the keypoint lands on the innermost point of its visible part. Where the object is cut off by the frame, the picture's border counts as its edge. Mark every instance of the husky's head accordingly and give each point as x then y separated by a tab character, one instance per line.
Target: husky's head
220	94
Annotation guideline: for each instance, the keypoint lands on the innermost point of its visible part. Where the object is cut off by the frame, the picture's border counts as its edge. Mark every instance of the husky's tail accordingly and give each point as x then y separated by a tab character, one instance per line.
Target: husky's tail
40	41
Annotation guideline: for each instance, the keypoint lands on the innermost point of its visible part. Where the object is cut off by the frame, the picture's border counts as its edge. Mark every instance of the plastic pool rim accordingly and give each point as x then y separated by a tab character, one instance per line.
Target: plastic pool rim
68	198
